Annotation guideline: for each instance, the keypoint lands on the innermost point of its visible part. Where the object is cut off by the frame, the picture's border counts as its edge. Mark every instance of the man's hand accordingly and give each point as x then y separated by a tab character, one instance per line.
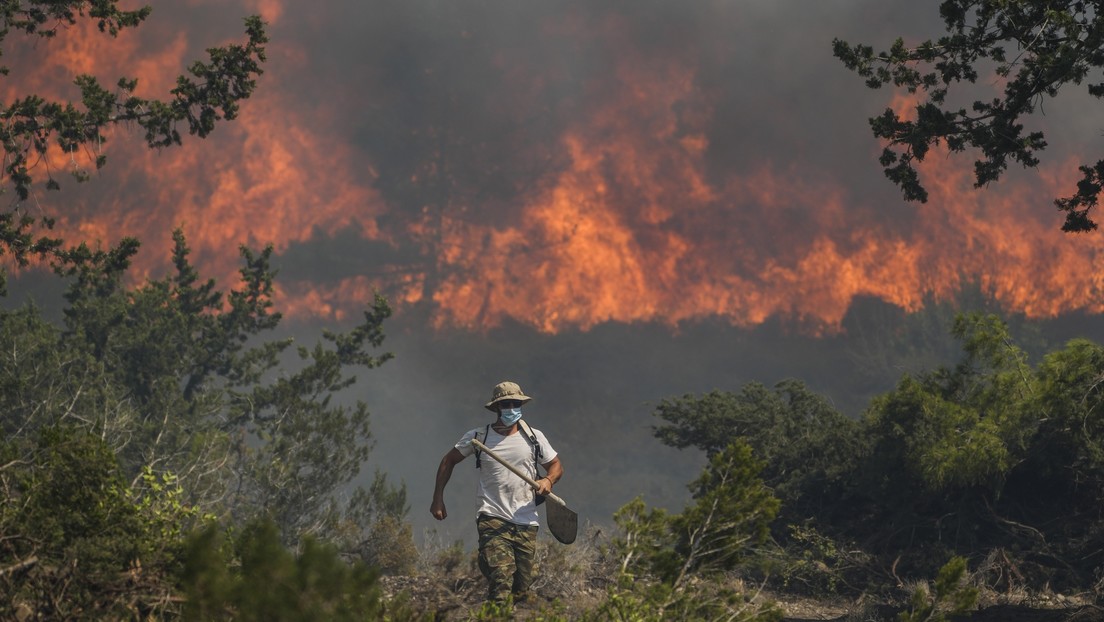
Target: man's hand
438	509
544	486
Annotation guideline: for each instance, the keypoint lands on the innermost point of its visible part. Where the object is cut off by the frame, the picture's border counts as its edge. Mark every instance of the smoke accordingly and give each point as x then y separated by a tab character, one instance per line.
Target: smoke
608	202
559	166
595	391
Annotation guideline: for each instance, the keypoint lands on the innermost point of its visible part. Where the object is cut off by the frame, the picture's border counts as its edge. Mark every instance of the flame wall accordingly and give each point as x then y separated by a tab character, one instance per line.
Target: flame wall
558	166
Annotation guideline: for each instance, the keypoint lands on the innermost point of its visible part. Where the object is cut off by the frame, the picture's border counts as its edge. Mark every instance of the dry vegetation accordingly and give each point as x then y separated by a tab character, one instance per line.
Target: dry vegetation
575	580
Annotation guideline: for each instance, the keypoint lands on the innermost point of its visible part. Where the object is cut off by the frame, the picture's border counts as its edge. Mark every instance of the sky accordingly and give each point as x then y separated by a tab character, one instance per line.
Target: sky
611	203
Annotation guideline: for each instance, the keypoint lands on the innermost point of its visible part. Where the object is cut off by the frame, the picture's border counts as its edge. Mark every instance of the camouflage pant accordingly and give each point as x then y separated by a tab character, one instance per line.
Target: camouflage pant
506	553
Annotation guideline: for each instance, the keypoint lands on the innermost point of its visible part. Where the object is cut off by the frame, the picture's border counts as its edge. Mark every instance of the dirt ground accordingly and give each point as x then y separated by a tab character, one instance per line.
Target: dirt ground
459	601
995	613
1036	609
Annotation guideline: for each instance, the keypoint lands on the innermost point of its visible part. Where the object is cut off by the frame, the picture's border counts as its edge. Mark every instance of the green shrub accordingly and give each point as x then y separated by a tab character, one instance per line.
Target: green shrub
68	508
257	578
951	595
674	566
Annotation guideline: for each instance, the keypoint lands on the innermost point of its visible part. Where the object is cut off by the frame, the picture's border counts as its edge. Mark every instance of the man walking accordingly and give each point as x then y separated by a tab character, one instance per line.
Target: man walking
507	516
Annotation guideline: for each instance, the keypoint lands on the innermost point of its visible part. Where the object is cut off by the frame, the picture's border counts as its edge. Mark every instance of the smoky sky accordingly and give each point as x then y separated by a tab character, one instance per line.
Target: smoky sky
608	202
711	157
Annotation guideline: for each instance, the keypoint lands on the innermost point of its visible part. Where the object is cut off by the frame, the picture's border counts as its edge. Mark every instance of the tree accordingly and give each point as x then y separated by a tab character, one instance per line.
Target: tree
942	446
1060	482
730	512
1036	48
988	455
805	444
153	407
33	126
180	411
175	378
960	428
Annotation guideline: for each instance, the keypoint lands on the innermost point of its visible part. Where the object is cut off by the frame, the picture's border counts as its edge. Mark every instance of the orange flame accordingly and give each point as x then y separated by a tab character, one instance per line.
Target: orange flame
638	227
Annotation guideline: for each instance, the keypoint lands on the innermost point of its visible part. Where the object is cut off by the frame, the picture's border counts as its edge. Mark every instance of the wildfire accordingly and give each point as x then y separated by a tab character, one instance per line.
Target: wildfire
635	223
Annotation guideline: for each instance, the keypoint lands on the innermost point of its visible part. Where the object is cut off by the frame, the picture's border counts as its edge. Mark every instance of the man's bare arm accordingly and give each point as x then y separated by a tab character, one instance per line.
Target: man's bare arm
444	473
555	471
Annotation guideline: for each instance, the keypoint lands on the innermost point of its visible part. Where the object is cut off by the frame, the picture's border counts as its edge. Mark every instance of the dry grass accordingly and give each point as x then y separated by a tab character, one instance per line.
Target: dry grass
576	579
448	584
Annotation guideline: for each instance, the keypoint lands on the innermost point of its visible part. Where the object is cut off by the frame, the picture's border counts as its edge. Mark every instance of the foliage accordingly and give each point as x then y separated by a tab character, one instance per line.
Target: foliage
34	127
154	409
1035	49
264	581
1073	433
175	379
818	565
989	454
390	547
950	596
804	443
162	508
643	538
672	565
944	445
73	502
731	510
68	518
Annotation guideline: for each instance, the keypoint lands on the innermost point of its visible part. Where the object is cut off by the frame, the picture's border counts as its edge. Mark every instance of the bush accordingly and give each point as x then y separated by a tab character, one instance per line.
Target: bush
69	509
673	566
814	564
256	578
390	547
949	595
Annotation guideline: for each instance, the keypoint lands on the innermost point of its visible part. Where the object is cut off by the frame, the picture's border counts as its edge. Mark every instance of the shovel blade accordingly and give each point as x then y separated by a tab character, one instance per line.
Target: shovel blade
563	522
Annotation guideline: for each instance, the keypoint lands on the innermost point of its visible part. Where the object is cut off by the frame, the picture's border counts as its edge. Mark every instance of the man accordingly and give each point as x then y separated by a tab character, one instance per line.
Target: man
507	518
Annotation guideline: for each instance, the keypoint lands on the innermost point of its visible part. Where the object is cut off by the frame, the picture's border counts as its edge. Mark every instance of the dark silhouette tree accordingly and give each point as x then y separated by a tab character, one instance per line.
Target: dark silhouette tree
1036	48
31	126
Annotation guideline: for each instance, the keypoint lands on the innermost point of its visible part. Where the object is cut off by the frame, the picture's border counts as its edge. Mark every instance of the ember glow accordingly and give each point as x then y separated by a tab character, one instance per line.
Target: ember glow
650	200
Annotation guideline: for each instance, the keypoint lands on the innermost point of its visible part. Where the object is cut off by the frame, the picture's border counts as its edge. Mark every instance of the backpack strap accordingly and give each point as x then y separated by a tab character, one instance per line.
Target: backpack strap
527	432
486	432
532	438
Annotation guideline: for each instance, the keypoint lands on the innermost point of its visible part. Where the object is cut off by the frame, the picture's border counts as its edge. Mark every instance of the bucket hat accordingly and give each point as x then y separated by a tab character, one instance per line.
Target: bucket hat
506	391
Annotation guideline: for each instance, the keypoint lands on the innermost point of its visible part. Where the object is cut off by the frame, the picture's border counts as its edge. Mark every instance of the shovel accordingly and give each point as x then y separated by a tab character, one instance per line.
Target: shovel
563	522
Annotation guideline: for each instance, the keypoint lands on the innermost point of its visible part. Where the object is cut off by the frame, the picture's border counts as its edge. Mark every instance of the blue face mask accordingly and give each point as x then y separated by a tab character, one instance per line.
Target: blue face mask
510	416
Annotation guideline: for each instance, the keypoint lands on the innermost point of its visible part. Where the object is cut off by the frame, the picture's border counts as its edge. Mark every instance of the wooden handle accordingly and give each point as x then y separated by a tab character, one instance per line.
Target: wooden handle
516	471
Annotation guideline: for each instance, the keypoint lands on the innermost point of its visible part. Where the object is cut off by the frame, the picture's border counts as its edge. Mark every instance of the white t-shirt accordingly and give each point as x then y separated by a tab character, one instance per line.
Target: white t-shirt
501	492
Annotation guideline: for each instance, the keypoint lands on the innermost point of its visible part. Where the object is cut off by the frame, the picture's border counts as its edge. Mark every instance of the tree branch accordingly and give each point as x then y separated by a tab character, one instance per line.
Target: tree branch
14	568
